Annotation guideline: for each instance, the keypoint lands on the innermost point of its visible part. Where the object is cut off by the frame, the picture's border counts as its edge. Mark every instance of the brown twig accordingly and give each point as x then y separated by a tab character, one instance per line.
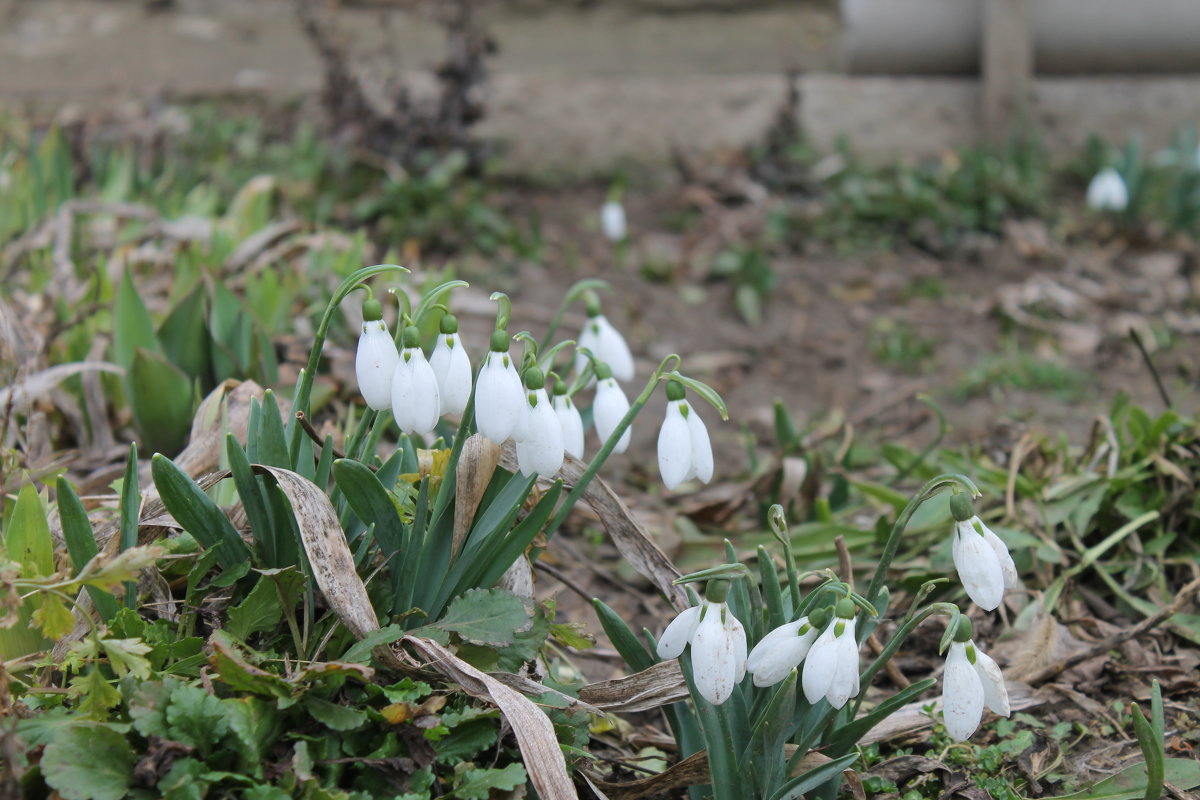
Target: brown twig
1162	390
894	674
1100	648
314	434
562	578
845	565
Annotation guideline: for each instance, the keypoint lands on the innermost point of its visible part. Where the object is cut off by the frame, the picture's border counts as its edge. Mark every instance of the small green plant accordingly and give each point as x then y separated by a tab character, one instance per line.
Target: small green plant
897	345
750	273
1019	370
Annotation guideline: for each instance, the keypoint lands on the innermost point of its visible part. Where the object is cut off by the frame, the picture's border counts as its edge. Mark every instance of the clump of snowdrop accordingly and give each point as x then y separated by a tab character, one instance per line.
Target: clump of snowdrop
499	398
541	451
971	681
831	668
684	449
605	342
376	358
569	419
610	407
416	402
1107	191
782	650
981	558
452	367
718	643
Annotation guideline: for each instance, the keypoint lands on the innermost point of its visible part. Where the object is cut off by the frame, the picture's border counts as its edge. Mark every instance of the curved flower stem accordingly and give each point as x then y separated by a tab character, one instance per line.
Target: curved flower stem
606	449
779	526
574	293
910	623
893	540
304	386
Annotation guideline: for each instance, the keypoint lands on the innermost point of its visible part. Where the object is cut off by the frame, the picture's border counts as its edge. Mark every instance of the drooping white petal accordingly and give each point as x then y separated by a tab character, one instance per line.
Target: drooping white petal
1107	191
498	399
845	678
977	566
374	364
521	426
962	694
779	651
674	446
571	424
608	410
702	455
995	693
737	632
415	399
1007	568
542	450
607	344
820	666
715	654
452	367
677	635
612	221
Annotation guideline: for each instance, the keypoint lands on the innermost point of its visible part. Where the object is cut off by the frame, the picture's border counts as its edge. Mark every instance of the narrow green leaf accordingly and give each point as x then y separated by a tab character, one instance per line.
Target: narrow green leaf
197	513
623	638
131	508
81	543
184	336
162	401
27	539
250	492
272	443
846	737
373	504
704	390
814	778
132	326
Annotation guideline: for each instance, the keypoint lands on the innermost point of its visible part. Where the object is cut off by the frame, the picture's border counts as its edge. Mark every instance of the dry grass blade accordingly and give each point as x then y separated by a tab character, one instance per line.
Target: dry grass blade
535	733
651	688
476	463
692	771
39	384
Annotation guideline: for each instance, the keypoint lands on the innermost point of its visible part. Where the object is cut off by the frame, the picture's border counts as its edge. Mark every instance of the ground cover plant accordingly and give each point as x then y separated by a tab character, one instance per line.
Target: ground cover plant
323	588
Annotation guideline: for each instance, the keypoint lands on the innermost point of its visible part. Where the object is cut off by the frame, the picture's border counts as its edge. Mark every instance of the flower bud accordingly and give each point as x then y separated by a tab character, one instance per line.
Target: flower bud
961	507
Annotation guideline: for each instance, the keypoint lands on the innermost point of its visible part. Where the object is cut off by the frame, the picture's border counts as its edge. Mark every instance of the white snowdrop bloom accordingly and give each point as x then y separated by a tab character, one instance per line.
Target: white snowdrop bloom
781	651
609	408
684	450
980	556
569	420
612	221
499	398
718	643
971	682
521	427
831	666
1107	191
541	451
376	358
416	402
452	366
604	342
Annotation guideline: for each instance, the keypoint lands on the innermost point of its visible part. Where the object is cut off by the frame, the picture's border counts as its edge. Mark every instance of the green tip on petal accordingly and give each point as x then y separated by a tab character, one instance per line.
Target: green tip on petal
961	507
499	341
372	310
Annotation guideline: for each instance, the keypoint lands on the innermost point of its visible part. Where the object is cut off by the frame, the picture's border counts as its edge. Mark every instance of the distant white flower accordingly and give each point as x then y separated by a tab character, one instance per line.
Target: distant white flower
831	666
718	643
1107	191
376	358
499	398
983	563
609	408
541	451
970	682
781	651
612	221
605	343
452	366
684	450
569	420
416	402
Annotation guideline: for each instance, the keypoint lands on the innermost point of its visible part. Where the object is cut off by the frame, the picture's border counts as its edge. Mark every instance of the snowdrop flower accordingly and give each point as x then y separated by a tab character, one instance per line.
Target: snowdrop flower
782	650
612	221
604	342
568	419
610	407
1107	191
452	367
971	681
499	399
718	643
376	358
981	558
684	450
831	668
541	451
416	402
